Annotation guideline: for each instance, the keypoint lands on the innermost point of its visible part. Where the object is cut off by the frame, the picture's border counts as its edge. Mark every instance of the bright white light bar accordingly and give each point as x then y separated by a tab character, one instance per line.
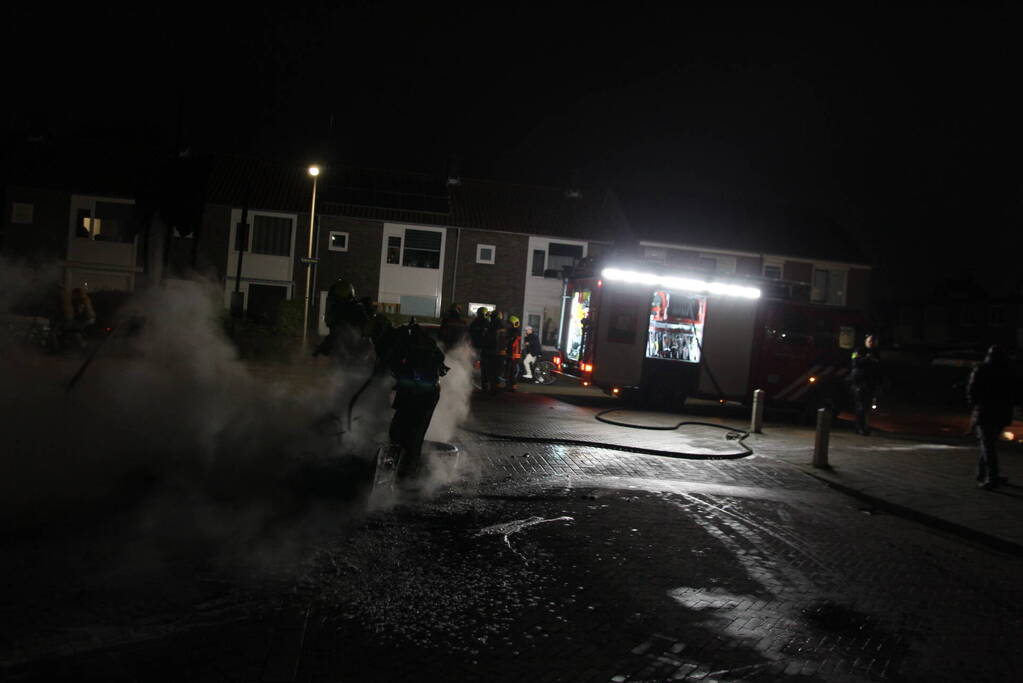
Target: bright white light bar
679	283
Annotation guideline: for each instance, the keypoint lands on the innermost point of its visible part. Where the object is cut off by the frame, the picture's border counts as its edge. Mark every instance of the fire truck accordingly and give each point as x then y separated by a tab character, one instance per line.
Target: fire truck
658	338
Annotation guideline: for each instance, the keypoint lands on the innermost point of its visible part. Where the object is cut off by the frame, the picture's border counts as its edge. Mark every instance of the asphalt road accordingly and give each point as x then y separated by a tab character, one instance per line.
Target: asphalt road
530	562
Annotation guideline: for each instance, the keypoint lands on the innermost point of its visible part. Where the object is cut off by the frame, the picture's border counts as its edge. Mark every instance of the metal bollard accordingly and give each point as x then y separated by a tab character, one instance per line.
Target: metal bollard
756	422
820	444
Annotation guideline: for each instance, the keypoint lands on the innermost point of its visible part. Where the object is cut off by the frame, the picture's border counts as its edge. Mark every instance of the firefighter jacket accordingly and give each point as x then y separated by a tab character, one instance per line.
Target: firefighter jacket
865	372
452	327
416	362
477	331
495	339
514	344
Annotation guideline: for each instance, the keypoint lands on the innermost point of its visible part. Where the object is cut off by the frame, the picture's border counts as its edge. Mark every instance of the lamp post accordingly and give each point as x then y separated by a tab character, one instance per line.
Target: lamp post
314	171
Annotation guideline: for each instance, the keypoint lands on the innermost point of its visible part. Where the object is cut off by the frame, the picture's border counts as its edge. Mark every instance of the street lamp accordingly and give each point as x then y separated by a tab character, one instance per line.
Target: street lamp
314	171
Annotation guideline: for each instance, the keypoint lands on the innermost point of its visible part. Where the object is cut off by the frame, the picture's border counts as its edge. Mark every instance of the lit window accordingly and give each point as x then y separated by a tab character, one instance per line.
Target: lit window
485	253
338	241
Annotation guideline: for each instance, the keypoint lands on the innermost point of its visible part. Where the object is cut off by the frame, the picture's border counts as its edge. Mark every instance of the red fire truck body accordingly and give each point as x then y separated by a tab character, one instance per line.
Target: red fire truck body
664	338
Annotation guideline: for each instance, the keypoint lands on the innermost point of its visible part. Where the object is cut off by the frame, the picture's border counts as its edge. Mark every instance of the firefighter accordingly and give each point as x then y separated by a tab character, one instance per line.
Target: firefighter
478	328
992	393
493	352
514	351
346	317
864	377
378	329
453	329
417	365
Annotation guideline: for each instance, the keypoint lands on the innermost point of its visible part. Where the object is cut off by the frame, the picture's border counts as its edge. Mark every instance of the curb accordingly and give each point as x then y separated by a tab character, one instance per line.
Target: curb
967	533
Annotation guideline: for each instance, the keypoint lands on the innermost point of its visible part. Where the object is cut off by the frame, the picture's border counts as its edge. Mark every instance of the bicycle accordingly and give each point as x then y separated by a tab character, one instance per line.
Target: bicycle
543	372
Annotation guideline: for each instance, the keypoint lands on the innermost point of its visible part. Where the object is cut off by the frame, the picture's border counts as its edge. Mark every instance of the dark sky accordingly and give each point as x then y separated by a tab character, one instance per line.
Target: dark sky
899	121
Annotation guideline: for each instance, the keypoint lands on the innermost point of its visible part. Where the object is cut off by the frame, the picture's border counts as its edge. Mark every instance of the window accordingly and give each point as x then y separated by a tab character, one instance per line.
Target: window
996	316
708	263
271	235
422	249
561	256
108	222
22	213
846	337
475	306
394	249
485	253
338	241
828	287
539	262
772	271
533	320
654	254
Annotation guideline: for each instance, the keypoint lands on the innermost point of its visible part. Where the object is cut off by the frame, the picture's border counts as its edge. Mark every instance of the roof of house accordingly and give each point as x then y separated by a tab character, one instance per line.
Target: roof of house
757	227
407	197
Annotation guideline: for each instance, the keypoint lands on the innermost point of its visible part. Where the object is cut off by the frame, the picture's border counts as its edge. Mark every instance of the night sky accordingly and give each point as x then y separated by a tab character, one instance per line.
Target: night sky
900	123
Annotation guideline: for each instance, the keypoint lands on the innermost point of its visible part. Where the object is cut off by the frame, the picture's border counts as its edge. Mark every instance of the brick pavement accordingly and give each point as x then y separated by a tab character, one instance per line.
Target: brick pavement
928	480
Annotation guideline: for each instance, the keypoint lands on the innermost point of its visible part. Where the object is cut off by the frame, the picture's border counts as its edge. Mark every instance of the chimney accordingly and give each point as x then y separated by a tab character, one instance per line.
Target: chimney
574	190
454	171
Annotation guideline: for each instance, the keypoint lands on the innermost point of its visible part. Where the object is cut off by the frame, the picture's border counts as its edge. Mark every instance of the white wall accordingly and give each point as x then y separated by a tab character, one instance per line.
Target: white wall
397	280
543	295
260	269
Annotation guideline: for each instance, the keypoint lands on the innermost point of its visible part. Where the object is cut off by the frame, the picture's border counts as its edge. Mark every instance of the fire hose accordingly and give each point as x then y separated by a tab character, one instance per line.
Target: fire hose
734	434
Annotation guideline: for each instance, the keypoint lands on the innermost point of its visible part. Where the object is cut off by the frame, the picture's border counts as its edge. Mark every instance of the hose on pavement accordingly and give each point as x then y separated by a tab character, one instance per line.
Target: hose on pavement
734	434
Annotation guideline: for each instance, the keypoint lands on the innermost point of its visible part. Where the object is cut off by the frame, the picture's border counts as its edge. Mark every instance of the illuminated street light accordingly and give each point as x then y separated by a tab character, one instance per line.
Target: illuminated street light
314	171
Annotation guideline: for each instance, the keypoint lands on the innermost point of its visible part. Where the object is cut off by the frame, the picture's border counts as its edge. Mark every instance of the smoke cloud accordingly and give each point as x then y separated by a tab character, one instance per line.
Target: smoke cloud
169	425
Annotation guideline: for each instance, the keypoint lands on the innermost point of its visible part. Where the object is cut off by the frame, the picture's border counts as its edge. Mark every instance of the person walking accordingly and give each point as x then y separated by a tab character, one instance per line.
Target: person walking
992	393
864	377
514	357
532	352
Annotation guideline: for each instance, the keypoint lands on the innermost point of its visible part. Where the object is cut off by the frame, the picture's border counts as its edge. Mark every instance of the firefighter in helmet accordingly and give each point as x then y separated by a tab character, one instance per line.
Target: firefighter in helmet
346	318
514	359
417	365
864	377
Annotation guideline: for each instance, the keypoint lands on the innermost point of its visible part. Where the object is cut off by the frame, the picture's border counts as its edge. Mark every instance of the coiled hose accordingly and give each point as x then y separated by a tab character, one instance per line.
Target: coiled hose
734	434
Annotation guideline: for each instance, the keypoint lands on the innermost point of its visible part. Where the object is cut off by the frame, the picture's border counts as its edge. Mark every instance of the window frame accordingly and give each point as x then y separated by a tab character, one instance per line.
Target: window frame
330	240
826	301
250	247
493	254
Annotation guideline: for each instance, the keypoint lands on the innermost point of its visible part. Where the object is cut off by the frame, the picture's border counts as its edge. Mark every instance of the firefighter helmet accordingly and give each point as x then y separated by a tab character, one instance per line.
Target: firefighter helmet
343	288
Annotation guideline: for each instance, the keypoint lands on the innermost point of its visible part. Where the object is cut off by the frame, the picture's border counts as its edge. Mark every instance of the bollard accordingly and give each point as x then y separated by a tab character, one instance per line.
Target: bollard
756	422
820	444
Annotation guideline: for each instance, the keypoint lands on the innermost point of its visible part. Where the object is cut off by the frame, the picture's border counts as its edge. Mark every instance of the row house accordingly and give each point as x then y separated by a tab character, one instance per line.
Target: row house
414	243
789	256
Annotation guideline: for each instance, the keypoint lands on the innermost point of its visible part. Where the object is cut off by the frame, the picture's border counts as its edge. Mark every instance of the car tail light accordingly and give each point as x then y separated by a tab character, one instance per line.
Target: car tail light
587	367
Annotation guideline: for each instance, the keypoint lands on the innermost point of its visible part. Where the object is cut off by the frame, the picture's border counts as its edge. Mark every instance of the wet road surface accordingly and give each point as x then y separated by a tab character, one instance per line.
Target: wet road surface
537	563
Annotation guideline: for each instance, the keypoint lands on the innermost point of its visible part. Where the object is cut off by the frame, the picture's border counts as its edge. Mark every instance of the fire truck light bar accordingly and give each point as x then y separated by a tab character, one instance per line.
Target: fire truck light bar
679	283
